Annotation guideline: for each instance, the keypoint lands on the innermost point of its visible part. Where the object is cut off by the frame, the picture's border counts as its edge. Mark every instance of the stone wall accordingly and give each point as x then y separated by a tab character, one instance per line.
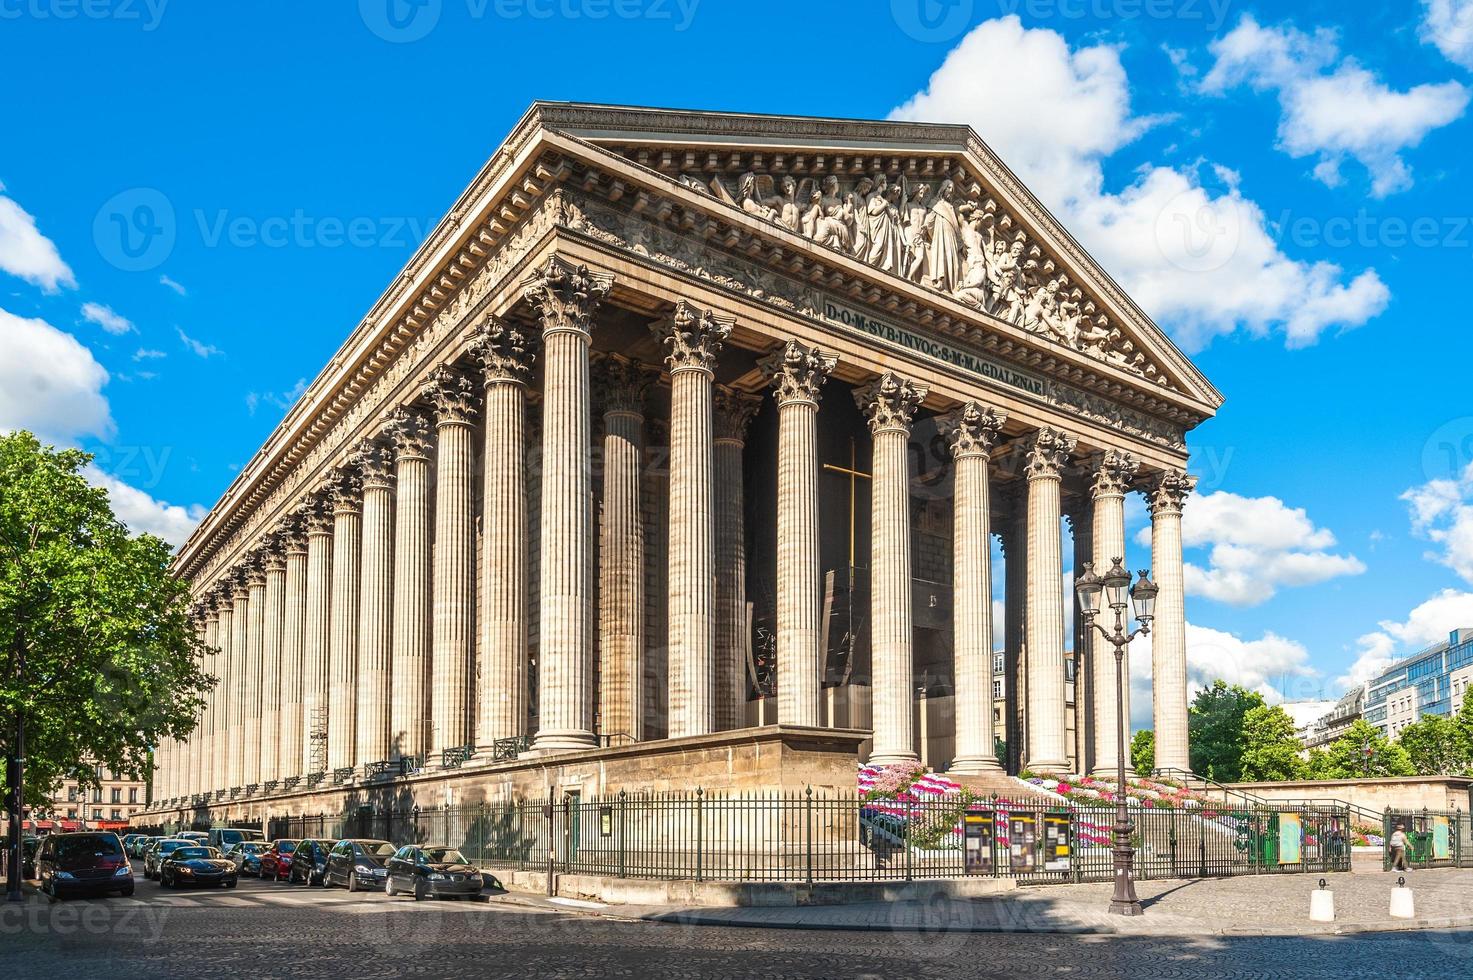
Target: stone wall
1401	793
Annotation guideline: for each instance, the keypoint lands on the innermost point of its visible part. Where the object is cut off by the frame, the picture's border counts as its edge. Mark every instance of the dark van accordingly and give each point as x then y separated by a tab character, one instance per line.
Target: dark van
83	864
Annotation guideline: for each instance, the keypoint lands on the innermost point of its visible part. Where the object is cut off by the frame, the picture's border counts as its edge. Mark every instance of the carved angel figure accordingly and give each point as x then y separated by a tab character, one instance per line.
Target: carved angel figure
887	242
754	190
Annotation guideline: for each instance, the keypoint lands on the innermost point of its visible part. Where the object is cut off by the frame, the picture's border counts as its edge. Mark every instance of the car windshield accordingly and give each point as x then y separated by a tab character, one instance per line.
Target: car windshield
380	849
443	855
286	846
169	845
192	853
72	848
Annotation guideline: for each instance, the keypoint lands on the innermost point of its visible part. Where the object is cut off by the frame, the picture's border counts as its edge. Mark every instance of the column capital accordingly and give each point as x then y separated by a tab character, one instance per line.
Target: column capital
345	490
451	395
240	584
973	430
500	350
274	561
292	534
733	411
692	337
565	295
315	516
1167	492
890	402
620	384
1110	473
797	373
376	461
1047	452
408	430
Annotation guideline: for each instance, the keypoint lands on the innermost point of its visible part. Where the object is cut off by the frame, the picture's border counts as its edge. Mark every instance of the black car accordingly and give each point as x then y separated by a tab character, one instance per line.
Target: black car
195	864
246	855
159	851
357	864
309	861
433	871
90	863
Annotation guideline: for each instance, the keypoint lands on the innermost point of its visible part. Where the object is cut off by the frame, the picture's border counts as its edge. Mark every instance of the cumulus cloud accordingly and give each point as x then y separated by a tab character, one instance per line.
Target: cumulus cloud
1448	25
1186	243
108	320
49	382
1256	546
1332	108
28	254
1428	623
1442	512
143	513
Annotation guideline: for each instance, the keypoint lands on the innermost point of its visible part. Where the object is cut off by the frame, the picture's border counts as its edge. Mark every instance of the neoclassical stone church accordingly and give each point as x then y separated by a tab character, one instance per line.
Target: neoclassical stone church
677	454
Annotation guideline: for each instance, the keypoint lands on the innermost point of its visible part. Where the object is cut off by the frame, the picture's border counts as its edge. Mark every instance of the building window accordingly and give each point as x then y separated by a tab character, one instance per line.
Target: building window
117	794
996	690
71	814
117	814
133	795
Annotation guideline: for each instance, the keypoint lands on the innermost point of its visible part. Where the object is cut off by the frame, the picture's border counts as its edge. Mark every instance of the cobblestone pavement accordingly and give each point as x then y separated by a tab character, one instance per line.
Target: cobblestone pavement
266	930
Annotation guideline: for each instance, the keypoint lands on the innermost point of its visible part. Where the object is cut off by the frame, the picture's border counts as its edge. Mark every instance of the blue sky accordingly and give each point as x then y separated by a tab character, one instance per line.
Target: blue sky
1284	187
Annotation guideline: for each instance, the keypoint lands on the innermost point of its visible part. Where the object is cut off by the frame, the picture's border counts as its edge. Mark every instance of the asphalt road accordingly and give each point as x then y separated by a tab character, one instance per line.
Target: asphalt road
265	930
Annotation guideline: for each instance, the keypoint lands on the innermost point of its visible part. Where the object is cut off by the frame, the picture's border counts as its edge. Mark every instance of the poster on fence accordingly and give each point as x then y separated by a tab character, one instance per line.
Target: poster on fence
1056	840
1441	849
1022	843
1291	835
977	831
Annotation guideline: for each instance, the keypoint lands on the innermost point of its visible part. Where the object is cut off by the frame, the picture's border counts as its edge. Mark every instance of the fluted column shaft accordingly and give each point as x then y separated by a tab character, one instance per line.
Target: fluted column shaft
376	608
201	778
291	723
410	710
453	650
1081	530
1015	616
240	678
270	681
250	692
317	642
1047	723
1169	631
219	761
347	570
1110	479
733	411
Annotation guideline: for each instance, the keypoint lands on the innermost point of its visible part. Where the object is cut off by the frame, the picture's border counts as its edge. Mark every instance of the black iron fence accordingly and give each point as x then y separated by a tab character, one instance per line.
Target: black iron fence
1434	838
807	837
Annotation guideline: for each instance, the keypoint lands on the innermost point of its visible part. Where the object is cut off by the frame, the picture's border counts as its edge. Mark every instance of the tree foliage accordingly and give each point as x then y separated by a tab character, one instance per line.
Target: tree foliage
1143	751
1434	746
1270	746
1362	752
112	664
1215	729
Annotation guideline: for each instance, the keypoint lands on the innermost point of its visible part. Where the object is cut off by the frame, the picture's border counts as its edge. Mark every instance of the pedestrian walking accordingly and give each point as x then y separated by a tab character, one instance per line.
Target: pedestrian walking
1399	848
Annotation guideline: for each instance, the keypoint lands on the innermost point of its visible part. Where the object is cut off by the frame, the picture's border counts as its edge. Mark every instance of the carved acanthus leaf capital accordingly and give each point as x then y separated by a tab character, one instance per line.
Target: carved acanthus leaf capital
890	401
275	558
692	337
345	491
375	460
973	429
1047	451
1110	473
410	432
240	582
315	515
797	372
733	412
451	395
501	350
620	384
292	534
1167	493
565	296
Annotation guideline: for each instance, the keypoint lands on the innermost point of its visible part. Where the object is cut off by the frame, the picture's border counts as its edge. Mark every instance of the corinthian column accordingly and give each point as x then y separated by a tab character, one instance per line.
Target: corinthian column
317	636
1110	475
565	298
223	693
733	413
376	610
693	338
271	674
408	714
621	385
500	348
291	724
1048	451
798	374
250	691
453	654
346	498
974	431
239	678
1165	497
204	735
1015	614
889	403
1080	519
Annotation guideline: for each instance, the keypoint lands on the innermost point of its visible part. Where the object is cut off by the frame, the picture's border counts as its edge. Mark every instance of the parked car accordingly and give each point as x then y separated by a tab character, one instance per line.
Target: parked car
198	836
140	844
309	861
195	864
431	870
28	848
220	838
86	863
357	864
276	861
159	851
246	856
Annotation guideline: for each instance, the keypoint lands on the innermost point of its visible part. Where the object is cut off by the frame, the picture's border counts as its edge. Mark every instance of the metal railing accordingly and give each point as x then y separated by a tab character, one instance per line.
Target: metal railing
1435	838
808	837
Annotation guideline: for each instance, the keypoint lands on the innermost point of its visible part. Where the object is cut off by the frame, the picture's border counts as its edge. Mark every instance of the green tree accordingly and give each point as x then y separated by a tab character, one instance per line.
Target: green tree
1463	728
1435	746
97	653
1143	751
1270	746
1363	751
1215	729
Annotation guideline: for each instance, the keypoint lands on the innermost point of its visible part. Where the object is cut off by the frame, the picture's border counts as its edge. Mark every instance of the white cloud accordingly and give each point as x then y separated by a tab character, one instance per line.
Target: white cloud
1428	623
1332	108
1202	261
108	320
195	346
1442	511
1257	545
281	399
147	354
1448	24
177	287
28	254
49	382
142	513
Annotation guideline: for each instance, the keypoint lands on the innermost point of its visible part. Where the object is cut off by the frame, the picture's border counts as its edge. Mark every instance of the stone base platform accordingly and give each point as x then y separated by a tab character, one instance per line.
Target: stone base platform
769	759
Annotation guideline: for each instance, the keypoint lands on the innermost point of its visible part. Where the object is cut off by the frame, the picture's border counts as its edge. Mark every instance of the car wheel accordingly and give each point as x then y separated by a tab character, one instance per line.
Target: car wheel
419	891
230	884
126	893
389	887
352	881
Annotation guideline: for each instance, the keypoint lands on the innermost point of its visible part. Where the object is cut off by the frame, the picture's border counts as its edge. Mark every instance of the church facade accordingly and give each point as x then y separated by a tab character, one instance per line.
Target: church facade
679	451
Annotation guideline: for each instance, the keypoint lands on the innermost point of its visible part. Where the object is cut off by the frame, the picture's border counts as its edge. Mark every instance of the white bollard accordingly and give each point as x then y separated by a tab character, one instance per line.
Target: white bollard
1401	901
1322	904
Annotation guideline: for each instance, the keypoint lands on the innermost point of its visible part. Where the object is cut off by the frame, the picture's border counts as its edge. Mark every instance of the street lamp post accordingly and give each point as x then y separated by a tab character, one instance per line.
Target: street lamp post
1116	590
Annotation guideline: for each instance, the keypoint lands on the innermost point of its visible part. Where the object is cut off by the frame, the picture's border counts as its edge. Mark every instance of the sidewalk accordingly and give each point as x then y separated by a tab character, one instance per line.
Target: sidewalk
1267	905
